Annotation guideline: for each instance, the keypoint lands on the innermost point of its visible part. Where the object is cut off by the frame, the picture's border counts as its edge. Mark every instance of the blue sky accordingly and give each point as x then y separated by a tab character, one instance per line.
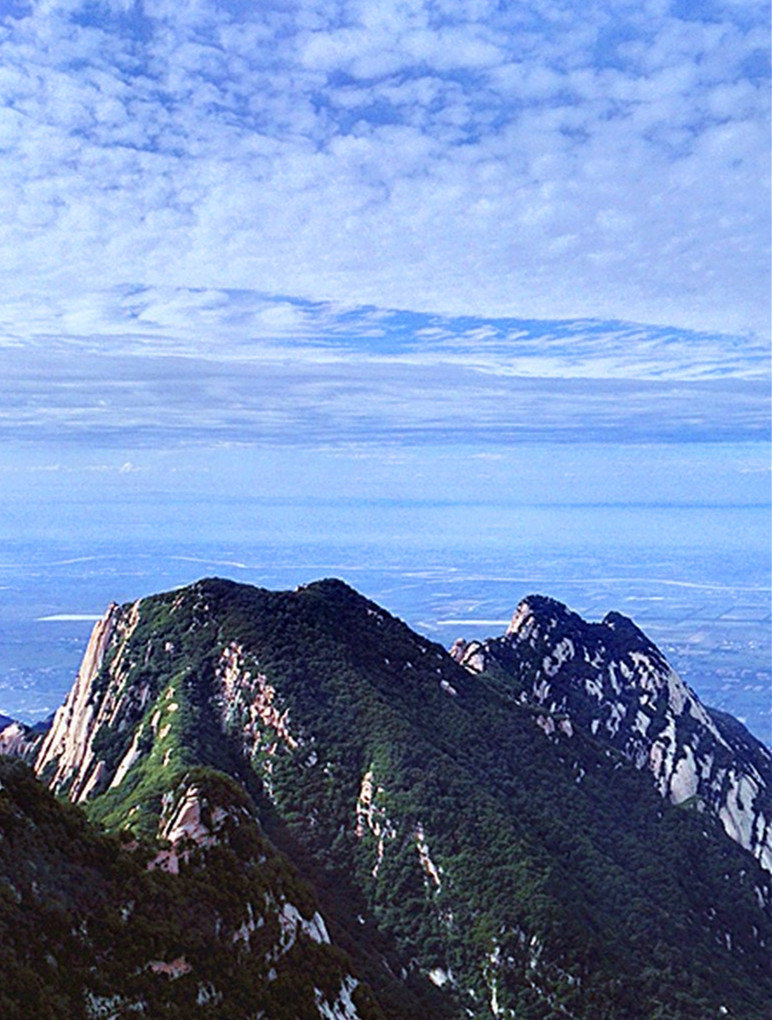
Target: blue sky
357	248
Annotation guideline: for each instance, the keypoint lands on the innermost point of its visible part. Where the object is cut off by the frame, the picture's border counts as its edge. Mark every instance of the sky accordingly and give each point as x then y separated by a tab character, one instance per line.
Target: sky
410	249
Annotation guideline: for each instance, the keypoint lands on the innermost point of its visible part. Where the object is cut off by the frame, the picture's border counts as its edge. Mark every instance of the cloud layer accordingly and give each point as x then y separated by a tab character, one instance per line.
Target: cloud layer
123	400
150	367
541	161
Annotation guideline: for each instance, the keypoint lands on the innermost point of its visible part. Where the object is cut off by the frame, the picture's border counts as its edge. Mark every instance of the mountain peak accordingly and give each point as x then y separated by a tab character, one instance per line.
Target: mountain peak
544	615
610	680
548	613
332	586
540	607
466	819
627	630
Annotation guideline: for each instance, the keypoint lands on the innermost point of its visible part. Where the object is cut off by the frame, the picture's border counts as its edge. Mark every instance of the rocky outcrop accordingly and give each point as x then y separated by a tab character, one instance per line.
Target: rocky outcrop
192	821
188	822
67	759
371	817
20	741
610	680
250	710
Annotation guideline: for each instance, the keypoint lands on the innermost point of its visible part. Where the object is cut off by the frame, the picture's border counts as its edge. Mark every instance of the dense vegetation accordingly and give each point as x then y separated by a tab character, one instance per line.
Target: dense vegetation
443	831
86	929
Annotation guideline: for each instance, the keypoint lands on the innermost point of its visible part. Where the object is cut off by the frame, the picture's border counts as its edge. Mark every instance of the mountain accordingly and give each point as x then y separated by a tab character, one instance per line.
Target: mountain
22	741
470	849
610	681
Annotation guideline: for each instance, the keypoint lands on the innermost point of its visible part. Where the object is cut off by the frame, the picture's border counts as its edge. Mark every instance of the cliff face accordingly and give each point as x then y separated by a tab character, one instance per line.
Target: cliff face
67	756
19	741
609	680
470	866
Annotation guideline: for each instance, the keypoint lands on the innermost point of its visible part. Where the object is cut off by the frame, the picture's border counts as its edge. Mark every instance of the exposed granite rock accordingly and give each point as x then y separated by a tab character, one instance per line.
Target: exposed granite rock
611	680
67	758
20	741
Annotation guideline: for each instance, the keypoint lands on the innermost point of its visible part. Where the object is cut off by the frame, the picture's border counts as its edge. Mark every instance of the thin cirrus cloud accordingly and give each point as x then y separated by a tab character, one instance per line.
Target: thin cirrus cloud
327	397
153	366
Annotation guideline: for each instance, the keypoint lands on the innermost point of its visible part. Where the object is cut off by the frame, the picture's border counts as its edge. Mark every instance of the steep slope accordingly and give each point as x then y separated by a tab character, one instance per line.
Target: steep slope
215	924
609	680
19	740
444	835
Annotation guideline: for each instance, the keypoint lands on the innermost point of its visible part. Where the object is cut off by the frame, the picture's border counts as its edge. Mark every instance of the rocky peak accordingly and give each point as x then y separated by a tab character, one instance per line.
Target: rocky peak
540	608
619	622
609	679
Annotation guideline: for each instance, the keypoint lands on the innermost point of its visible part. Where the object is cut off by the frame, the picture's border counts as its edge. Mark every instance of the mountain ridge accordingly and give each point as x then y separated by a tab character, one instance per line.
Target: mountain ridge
487	855
609	678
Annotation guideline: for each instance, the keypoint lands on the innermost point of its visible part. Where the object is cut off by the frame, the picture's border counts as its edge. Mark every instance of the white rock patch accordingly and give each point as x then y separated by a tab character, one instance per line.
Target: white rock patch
430	868
343	1007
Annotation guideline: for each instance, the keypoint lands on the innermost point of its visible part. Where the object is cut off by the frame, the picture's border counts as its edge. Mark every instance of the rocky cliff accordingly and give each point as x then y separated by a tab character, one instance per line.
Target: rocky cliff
17	741
609	680
21	741
68	745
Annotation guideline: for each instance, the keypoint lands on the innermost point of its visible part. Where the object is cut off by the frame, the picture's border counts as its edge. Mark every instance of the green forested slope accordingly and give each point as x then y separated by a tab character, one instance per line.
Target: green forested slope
86	930
459	835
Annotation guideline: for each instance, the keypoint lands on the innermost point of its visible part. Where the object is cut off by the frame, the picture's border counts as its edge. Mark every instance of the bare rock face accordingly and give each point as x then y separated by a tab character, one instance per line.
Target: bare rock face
188	822
19	741
610	680
67	759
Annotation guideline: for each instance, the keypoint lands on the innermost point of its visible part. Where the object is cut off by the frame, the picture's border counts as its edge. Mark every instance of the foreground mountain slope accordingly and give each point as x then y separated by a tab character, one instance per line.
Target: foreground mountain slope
615	684
451	831
216	924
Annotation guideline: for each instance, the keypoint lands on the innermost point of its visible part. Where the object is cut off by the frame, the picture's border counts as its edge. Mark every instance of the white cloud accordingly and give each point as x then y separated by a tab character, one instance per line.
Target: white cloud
543	163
